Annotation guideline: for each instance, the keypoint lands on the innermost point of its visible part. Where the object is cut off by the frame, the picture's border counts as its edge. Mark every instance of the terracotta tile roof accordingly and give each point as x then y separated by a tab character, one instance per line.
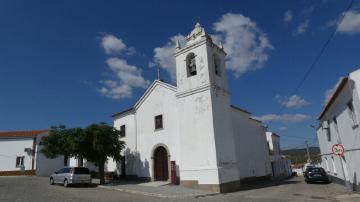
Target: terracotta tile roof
21	134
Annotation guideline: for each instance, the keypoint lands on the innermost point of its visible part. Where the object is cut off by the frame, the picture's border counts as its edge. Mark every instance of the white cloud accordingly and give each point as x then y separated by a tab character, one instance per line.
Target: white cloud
285	118
308	11
164	56
244	42
246	45
288	16
350	23
126	77
331	91
114	45
293	101
115	90
283	128
128	74
301	28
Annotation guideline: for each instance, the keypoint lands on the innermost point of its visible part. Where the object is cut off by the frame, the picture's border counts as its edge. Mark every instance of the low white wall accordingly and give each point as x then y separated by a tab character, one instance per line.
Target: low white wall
10	148
251	146
45	166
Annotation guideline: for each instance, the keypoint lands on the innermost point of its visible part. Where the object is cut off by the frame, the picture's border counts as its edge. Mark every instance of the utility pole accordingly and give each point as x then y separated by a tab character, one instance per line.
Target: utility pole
308	152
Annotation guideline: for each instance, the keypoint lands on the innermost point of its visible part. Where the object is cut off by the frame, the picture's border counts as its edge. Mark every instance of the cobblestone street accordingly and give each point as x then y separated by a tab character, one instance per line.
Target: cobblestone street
37	189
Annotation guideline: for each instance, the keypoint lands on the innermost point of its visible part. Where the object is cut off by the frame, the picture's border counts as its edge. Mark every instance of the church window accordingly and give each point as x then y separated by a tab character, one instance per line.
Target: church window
217	65
158	122
191	64
122	131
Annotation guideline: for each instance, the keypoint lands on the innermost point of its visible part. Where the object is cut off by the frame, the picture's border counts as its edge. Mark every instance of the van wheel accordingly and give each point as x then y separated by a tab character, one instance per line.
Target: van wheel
66	183
51	181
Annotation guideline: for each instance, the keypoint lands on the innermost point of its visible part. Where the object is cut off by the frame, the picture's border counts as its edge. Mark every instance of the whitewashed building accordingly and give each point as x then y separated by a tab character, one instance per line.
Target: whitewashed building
339	124
280	166
20	154
192	127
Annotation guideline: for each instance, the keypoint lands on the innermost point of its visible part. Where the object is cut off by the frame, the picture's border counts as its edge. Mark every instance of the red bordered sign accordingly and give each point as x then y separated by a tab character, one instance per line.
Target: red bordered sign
338	149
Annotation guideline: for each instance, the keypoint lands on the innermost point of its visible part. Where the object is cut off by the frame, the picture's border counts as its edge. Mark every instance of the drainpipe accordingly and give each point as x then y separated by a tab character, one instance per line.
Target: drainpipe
33	154
136	143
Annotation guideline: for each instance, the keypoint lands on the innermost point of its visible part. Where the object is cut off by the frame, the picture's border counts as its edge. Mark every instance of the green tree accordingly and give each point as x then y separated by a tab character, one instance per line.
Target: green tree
98	143
61	141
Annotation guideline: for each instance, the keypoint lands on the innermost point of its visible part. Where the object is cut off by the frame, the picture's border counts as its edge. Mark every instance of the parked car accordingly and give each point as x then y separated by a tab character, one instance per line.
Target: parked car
316	174
71	175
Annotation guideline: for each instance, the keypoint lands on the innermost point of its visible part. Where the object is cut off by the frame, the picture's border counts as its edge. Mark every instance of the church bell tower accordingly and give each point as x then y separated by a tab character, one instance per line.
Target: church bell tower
208	157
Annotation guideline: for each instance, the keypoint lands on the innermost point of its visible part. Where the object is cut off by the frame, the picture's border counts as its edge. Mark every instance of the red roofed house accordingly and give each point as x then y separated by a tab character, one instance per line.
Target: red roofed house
20	154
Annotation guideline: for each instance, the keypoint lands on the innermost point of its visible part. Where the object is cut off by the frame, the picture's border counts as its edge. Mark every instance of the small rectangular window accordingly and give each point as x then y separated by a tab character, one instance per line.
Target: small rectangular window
351	112
328	133
217	66
19	161
122	131
336	124
158	122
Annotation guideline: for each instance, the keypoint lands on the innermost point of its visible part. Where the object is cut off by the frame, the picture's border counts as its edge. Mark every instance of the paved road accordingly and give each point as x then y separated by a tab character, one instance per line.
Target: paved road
36	189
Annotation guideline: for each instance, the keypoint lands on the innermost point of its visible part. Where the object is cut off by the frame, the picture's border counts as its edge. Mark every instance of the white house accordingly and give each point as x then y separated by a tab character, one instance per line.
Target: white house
280	166
192	128
20	154
339	124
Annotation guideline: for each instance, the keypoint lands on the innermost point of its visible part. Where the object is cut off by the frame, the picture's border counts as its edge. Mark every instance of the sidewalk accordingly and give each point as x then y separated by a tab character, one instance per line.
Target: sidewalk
156	189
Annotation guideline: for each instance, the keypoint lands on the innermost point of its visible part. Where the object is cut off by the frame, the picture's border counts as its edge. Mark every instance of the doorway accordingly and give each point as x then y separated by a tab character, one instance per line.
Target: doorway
161	164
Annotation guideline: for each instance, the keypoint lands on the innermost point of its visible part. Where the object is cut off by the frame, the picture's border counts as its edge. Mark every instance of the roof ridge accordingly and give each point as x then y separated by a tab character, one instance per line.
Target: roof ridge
22	133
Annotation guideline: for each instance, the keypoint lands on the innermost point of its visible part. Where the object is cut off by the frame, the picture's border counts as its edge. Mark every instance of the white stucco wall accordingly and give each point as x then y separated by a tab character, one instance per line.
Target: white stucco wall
45	166
10	148
251	146
198	154
142	138
347	134
274	146
280	166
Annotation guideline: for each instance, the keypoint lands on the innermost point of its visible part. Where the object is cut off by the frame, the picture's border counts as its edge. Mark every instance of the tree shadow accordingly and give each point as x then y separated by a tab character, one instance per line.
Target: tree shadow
136	170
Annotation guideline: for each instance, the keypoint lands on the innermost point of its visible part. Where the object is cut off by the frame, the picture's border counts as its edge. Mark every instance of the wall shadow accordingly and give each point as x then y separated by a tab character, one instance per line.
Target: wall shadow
268	183
136	170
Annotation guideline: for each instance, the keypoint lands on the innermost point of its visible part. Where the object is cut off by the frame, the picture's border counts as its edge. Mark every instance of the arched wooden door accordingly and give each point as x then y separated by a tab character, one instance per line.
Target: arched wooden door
161	167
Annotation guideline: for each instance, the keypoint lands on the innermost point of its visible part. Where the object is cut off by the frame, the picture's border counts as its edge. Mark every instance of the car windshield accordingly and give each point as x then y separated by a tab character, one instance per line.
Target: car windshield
316	170
81	171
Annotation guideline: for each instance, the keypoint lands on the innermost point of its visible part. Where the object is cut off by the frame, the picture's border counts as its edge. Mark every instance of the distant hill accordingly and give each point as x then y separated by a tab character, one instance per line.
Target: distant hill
299	155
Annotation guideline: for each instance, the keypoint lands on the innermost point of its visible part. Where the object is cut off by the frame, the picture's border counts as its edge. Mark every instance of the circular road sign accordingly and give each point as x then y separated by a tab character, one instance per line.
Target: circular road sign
338	149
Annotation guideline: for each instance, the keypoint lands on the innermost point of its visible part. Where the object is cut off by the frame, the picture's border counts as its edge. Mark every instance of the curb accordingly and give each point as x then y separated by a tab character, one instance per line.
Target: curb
139	192
156	194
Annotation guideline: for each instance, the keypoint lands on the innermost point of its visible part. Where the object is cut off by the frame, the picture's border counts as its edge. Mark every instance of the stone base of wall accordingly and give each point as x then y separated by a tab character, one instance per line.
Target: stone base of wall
17	172
348	185
224	187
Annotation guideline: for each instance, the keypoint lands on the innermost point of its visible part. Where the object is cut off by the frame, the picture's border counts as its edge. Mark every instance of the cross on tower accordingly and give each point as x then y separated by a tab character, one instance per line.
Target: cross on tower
198	19
158	73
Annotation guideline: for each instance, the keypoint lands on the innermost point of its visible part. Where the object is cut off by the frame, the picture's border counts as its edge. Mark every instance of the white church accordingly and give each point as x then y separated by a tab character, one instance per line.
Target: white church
191	130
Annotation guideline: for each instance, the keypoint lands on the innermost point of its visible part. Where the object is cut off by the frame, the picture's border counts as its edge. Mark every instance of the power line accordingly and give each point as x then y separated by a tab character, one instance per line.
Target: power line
321	52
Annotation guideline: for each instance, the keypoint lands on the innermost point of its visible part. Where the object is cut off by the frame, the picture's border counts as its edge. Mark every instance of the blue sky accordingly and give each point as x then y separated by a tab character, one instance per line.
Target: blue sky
61	62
